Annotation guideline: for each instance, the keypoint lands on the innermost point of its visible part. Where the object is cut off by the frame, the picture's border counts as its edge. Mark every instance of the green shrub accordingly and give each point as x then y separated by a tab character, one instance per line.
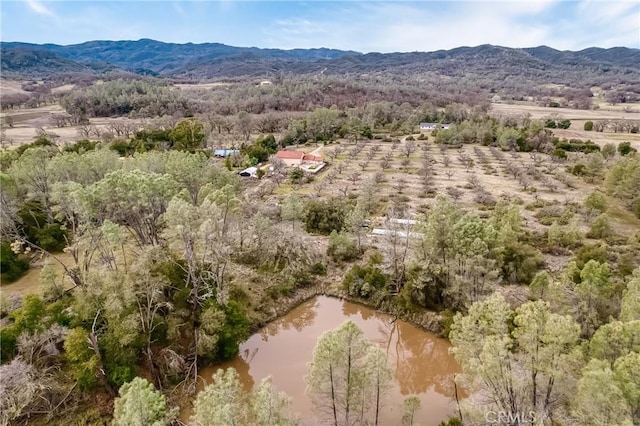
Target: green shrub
82	361
626	264
364	281
609	150
447	322
8	337
341	246
122	147
11	266
576	145
560	153
235	330
296	174
564	124
453	421
588	126
51	237
121	375
596	201
591	252
39	141
81	146
624	148
539	285
521	262
319	268
600	228
579	170
323	217
566	236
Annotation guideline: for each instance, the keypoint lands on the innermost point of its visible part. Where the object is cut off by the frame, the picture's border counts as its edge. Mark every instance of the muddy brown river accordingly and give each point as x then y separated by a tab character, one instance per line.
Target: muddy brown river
420	360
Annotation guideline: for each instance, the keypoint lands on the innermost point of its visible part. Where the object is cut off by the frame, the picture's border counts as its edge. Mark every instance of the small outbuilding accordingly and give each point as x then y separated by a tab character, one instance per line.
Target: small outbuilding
223	153
433	126
249	172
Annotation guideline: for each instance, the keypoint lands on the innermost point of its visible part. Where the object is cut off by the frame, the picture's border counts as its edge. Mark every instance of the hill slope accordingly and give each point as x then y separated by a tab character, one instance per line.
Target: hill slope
212	60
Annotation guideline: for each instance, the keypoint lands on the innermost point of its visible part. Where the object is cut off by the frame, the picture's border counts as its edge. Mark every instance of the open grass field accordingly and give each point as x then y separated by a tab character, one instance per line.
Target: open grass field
185	86
27	122
604	112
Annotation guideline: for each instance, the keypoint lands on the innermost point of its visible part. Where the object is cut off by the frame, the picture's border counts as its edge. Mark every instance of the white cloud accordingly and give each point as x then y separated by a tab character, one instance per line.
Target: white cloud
596	23
399	26
39	8
178	8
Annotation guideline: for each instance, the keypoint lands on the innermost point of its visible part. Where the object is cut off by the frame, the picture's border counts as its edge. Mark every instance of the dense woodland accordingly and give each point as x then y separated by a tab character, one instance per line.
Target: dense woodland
175	259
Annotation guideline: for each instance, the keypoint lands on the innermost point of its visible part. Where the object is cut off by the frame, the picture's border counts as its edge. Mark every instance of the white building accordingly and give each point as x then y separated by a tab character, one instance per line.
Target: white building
433	126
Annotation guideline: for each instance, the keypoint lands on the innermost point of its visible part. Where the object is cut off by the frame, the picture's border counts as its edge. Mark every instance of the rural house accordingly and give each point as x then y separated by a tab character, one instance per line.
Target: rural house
222	153
298	158
433	126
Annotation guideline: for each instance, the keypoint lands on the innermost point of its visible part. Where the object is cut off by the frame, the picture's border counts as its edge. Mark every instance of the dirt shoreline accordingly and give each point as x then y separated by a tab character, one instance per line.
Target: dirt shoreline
426	320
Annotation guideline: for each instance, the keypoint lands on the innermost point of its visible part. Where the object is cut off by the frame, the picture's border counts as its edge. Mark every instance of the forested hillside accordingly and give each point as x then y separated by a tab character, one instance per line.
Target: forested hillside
214	60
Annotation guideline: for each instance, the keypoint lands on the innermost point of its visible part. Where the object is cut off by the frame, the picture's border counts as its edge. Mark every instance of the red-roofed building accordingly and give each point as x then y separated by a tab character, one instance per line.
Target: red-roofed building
308	158
291	158
298	158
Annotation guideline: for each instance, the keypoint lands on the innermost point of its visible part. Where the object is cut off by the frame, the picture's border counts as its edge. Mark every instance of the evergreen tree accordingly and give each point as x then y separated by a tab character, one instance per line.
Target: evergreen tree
140	404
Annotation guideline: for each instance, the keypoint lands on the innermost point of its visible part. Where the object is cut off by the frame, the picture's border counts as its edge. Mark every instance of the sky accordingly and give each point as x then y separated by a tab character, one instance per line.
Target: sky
364	26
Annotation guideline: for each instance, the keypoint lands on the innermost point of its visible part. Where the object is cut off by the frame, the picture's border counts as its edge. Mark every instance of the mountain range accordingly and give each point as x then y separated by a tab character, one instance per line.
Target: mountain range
215	60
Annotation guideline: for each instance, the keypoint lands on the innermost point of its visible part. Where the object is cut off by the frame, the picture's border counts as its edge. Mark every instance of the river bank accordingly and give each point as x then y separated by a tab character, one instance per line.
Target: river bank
427	320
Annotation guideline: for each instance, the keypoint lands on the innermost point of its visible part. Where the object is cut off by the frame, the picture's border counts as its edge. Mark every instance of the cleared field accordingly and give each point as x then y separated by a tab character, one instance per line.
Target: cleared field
63	89
572	114
601	138
11	87
578	118
27	121
200	85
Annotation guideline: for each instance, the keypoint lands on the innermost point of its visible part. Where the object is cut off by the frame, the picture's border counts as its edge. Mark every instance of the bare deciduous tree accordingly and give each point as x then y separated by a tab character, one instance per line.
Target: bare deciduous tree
454	192
386	161
409	148
354	177
318	187
331	176
334	153
473	181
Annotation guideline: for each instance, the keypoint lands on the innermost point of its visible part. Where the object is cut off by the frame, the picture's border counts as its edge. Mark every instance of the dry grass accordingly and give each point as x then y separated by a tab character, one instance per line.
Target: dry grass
27	121
630	111
11	87
63	89
200	85
606	112
601	138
